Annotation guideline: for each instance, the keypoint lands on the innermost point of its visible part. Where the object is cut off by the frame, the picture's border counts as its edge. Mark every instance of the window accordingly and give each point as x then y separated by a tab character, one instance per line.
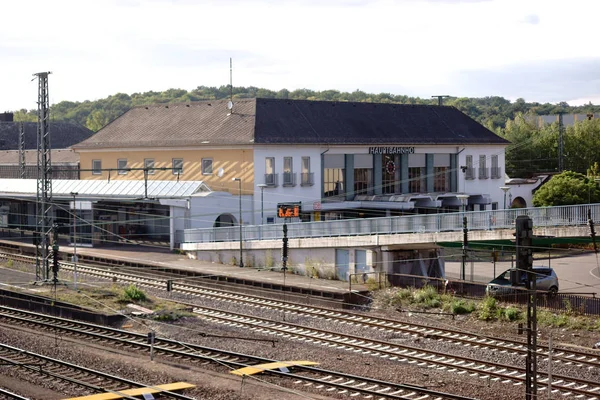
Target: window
469	173
288	172
96	167
177	165
363	180
416	179
495	169
122	166
333	184
483	172
307	176
270	175
388	167
149	165
207	166
441	181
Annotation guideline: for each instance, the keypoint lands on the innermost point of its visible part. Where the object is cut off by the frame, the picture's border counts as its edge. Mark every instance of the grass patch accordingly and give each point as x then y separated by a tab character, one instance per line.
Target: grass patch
462	307
133	294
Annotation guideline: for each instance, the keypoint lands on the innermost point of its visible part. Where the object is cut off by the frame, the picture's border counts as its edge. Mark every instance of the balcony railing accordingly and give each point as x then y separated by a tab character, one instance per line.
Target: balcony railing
470	173
271	180
289	179
308	179
483	173
496	172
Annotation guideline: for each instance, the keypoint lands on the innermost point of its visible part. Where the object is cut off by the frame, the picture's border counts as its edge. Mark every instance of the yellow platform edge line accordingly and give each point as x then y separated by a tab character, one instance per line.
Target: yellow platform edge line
136	391
255	369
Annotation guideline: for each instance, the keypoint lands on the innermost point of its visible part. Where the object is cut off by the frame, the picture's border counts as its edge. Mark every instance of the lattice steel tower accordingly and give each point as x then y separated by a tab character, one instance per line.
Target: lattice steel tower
44	218
22	150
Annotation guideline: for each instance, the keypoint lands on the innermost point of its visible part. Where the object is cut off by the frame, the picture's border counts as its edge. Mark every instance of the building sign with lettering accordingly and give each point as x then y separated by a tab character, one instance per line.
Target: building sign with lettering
391	150
288	210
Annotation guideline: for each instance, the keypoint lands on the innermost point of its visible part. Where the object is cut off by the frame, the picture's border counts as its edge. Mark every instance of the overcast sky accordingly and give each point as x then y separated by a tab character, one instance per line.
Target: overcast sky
541	50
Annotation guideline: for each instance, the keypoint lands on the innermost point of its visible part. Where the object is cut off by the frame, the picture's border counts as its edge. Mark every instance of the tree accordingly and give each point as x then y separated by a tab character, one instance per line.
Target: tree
567	188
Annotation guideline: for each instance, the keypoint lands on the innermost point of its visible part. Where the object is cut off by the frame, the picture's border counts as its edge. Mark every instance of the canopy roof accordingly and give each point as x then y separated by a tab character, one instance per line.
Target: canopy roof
103	189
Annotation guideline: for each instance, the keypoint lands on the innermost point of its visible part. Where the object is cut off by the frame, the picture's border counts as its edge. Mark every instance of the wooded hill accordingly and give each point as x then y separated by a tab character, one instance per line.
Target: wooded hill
534	149
493	112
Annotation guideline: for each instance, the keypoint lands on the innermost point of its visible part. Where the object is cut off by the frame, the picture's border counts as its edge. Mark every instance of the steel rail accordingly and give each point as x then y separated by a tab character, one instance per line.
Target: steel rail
409	354
53	367
339	381
10	395
563	355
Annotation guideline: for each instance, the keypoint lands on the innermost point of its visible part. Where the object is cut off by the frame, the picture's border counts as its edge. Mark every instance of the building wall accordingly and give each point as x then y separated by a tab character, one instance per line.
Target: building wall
280	193
235	163
476	185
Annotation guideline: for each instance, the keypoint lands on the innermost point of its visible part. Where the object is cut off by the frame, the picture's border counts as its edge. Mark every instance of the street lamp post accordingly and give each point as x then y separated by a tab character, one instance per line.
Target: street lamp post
505	189
239	180
74	194
464	198
262	187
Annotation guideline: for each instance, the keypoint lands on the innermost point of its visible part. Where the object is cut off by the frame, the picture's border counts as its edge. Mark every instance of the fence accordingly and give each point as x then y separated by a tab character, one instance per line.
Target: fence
421	223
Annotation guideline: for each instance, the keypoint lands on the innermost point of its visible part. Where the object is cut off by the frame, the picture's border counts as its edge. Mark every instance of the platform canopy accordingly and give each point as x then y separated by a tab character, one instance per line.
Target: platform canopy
118	189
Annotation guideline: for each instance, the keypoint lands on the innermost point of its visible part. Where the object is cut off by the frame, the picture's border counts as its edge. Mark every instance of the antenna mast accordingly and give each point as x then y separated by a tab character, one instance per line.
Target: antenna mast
44	218
230	80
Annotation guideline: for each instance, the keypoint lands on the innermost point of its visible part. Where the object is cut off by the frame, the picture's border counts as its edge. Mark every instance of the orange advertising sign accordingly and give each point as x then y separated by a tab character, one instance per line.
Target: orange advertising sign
288	210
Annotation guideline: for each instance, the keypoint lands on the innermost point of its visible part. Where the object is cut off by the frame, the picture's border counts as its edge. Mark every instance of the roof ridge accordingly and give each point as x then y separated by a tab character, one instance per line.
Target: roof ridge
196	102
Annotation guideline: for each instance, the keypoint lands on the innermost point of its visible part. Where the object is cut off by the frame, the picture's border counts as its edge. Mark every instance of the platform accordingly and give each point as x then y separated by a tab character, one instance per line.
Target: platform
296	287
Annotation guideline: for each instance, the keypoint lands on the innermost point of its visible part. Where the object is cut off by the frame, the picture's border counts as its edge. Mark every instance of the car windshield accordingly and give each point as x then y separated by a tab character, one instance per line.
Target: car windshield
540	272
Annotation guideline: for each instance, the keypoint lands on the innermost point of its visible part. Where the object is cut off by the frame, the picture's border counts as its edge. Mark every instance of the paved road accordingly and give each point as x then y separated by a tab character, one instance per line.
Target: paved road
579	273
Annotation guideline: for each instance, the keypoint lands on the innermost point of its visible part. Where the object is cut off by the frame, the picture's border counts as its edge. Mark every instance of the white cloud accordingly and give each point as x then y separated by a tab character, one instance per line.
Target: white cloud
97	48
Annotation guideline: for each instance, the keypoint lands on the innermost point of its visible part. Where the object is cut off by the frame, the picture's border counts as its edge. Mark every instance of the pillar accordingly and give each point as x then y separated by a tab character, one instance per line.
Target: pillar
429	178
377	174
404	173
349	176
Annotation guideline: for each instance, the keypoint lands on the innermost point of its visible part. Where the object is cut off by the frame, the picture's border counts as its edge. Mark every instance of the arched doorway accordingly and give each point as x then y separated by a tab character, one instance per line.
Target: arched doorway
224	220
519	202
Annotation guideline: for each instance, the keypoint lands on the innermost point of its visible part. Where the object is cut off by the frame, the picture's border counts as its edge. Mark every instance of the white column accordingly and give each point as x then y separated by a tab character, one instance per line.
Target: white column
171	227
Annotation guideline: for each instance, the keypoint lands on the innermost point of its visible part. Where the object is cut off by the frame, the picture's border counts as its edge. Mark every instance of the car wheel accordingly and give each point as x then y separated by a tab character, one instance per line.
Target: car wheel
552	291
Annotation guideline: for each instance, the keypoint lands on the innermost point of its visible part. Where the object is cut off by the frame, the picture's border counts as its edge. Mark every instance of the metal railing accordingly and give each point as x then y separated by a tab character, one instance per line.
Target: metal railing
421	223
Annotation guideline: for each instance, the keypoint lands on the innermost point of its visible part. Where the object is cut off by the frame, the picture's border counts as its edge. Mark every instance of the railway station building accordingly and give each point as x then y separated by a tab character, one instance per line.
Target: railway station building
335	160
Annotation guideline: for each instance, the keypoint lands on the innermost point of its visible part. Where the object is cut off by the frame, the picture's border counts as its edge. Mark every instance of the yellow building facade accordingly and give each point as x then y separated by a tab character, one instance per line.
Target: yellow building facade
214	166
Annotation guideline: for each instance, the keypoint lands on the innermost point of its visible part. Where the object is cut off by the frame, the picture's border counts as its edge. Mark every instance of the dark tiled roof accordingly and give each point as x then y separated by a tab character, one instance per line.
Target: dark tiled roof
172	125
59	156
324	122
62	135
273	121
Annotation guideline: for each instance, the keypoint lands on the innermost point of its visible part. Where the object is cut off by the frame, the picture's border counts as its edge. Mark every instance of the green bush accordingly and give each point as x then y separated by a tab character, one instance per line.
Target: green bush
132	293
488	309
372	284
462	307
512	313
10	263
426	294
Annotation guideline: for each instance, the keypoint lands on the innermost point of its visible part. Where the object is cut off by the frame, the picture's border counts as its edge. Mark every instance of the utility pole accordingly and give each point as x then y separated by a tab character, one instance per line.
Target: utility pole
561	143
22	150
465	246
593	235
524	236
44	217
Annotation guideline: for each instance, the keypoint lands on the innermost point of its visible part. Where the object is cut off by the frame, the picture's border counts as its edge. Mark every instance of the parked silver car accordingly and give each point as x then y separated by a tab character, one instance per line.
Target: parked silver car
546	281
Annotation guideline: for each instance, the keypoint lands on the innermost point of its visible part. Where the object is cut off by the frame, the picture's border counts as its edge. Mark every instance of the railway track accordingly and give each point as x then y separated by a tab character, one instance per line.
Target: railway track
497	372
330	381
493	371
559	355
48	369
5	394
